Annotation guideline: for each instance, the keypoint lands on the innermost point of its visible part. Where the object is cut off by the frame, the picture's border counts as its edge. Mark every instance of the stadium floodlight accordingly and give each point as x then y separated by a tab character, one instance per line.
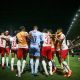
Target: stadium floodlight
74	19
71	25
77	15
72	22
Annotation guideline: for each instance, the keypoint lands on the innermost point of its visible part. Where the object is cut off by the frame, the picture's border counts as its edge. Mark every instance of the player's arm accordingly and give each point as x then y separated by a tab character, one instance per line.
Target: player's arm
3	37
30	35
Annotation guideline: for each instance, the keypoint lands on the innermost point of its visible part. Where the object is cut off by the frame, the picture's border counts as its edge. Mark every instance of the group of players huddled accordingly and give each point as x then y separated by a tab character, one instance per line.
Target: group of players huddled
41	47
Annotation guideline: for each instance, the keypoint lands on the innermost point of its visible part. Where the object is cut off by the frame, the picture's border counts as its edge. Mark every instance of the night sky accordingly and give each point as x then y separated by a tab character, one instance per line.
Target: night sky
44	13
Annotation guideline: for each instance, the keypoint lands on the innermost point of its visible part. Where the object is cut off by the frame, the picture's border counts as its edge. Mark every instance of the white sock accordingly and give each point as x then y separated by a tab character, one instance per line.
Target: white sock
32	65
12	63
7	59
50	67
66	65
3	60
62	66
44	66
65	69
36	65
19	67
23	64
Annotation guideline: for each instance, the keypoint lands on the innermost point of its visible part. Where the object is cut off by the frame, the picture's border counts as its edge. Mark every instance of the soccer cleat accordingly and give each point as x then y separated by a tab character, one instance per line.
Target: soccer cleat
66	74
3	67
69	73
47	74
18	74
12	69
51	73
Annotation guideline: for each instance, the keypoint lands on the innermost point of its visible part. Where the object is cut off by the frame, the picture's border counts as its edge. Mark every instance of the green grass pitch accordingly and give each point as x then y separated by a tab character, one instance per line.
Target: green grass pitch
6	74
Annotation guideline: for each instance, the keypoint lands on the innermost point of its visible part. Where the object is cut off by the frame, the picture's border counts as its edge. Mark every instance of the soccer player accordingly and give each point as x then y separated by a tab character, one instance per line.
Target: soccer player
58	49
22	51
64	52
35	37
14	48
46	52
53	51
2	47
7	48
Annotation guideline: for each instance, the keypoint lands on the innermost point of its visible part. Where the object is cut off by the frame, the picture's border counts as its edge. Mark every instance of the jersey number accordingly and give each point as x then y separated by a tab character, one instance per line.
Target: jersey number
34	39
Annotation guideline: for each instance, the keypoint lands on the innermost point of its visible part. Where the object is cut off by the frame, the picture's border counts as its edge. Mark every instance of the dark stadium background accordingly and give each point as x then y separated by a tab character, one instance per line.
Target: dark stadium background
43	13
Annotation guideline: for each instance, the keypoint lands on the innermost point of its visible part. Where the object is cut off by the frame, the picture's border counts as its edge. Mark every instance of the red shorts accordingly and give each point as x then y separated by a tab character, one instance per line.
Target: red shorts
14	51
2	51
46	52
7	50
63	53
21	52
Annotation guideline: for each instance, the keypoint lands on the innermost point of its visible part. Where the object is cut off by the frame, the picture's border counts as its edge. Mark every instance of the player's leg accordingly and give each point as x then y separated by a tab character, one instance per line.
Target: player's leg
44	64
3	57
49	57
7	56
13	52
65	65
31	54
25	51
54	68
37	58
19	57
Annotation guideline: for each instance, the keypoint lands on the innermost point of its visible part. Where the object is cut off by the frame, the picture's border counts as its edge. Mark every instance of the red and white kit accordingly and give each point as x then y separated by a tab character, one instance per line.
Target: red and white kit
7	49
64	47
46	49
2	45
14	45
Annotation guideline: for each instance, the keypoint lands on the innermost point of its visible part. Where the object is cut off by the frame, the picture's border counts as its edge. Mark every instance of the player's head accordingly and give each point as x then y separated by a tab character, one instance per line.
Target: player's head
45	30
2	33
59	31
35	27
6	32
22	28
50	31
14	33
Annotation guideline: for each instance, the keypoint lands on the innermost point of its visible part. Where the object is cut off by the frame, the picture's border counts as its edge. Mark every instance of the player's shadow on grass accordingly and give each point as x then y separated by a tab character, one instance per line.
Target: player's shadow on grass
59	71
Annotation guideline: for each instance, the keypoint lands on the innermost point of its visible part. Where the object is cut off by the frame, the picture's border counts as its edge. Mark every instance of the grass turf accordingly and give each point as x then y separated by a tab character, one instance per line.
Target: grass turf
6	74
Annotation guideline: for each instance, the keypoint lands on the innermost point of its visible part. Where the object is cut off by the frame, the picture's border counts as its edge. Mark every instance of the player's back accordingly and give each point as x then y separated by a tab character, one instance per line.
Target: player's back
36	37
13	41
2	41
46	40
21	36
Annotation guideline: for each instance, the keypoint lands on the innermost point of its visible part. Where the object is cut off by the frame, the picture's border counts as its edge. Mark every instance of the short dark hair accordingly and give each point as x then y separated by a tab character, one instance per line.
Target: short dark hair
35	27
22	28
50	31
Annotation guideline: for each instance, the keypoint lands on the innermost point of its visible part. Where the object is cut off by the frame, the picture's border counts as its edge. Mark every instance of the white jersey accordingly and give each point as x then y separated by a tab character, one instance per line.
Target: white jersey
2	41
13	43
63	45
46	39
